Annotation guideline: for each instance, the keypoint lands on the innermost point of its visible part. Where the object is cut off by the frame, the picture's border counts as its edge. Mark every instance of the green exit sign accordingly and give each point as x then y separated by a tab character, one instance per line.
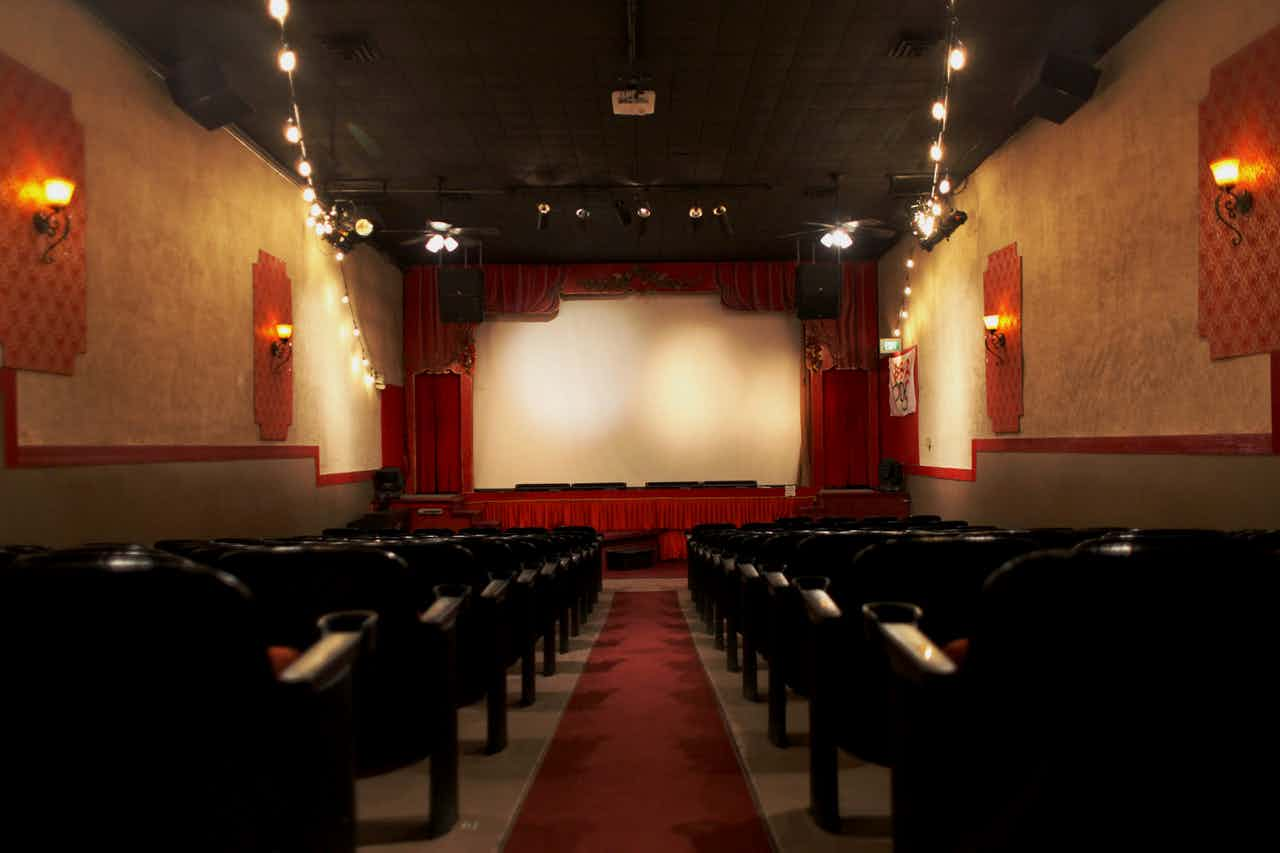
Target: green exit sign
890	346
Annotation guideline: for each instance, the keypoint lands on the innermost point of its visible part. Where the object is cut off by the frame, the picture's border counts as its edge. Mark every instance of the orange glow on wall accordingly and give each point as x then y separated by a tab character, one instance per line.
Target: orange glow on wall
58	192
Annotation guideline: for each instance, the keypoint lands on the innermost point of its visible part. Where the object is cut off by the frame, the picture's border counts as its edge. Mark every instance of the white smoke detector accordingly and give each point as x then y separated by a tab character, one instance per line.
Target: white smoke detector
634	102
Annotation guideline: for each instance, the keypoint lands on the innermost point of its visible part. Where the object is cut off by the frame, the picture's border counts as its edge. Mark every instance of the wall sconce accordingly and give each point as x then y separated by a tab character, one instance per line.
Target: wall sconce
282	346
57	195
1226	174
995	337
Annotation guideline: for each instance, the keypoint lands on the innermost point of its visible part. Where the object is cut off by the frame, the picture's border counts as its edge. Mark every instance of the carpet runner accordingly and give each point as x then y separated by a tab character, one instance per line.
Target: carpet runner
641	760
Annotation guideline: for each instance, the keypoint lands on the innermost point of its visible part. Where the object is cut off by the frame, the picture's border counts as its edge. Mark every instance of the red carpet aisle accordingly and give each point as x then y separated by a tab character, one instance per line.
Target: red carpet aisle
641	760
665	569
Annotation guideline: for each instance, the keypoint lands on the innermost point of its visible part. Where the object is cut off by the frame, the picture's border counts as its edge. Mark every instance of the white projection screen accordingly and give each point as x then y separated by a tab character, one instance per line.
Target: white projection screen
639	388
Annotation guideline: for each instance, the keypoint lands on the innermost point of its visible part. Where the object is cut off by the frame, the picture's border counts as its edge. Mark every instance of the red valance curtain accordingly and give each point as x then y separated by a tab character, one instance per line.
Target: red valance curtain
437	401
757	286
429	343
845	420
529	289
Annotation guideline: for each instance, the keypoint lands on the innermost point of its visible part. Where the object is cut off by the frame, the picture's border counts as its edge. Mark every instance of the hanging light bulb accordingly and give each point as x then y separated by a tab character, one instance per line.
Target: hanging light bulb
957	58
365	361
292	132
364	227
937	209
944	186
304	168
346	300
939	110
935	152
278	9
368	379
287	60
355	331
926	226
328	228
316	209
911	264
906	291
311	222
903	313
897	333
450	244
319	229
338	256
435	243
309	194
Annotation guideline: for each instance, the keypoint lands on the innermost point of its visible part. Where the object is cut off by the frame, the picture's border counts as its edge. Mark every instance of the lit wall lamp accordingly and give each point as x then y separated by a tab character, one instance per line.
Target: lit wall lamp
995	337
1226	174
57	195
282	346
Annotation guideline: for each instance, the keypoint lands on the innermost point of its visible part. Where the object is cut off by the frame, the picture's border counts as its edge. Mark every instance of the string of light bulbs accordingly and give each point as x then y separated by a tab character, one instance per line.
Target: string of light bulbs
928	210
339	226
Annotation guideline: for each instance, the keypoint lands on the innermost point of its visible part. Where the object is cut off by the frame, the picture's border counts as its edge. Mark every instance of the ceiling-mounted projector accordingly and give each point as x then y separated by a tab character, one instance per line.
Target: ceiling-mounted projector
634	102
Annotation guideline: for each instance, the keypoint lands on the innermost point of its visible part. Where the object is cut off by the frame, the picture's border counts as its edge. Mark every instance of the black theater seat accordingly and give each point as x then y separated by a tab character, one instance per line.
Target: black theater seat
9	553
847	669
142	712
1114	697
405	679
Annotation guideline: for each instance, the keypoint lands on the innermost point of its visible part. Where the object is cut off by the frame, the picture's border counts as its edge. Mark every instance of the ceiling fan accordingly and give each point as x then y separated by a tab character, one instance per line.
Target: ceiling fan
442	235
840	233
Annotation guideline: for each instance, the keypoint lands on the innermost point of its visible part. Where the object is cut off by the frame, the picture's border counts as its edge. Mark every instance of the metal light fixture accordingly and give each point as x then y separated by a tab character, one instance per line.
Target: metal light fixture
721	213
544	210
695	217
1226	174
57	193
282	346
364	227
995	337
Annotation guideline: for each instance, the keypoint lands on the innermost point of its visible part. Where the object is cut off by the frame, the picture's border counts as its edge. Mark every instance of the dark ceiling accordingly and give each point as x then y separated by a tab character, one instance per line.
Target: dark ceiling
758	102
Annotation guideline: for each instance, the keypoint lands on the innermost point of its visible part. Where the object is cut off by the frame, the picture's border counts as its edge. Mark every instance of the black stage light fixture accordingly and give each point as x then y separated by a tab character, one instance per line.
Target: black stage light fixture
643	212
947	226
583	216
695	218
544	210
721	213
624	215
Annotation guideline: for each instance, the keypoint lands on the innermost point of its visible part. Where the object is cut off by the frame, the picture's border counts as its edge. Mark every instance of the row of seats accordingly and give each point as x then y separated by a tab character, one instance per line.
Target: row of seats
1041	689
225	694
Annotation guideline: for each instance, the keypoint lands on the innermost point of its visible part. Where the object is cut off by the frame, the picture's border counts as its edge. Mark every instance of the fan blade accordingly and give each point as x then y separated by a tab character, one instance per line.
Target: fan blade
826	226
800	234
418	238
479	231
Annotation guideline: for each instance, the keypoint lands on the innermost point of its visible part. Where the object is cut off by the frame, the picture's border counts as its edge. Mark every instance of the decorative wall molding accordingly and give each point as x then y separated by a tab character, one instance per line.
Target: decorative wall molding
1002	295
272	376
61	456
42	305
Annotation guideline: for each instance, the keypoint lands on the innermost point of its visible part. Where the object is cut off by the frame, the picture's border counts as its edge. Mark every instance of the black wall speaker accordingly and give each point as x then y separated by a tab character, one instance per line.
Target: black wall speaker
462	295
1062	87
200	89
818	289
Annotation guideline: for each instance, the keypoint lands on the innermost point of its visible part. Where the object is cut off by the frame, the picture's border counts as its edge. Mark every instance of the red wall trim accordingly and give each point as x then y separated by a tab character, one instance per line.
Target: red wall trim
1275	402
1243	444
61	456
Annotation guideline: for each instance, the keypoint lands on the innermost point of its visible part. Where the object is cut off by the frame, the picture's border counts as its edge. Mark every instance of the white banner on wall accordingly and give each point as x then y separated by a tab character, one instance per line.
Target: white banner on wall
902	384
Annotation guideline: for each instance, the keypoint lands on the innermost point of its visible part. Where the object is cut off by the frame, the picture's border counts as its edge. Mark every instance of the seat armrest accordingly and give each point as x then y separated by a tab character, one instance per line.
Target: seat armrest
527	576
776	581
495	591
443	613
325	662
820	606
912	654
748	571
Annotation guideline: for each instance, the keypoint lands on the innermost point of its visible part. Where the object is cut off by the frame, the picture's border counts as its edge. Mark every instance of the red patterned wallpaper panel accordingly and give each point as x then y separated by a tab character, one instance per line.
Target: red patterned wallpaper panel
1239	296
42	306
1002	294
272	376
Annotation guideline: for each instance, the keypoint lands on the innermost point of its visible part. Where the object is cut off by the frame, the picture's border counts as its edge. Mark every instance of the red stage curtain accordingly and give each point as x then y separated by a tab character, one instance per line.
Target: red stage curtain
438	432
430	344
391	403
603	279
852	338
671	545
529	289
640	513
844	427
757	286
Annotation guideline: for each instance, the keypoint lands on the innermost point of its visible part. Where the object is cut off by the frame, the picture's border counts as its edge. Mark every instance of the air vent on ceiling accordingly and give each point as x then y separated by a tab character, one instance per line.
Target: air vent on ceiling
913	45
352	47
910	184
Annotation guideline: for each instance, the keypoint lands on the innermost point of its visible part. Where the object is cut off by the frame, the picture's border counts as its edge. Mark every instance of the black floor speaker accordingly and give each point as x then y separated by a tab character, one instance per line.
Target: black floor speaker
1062	87
198	86
462	295
818	291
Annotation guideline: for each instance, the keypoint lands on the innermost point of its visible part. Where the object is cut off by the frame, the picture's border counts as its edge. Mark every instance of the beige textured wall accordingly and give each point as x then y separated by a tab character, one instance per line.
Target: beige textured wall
178	215
1104	211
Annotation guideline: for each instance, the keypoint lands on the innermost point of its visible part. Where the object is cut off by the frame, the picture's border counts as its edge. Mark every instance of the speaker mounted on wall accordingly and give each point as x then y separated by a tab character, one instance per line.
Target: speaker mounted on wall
461	294
200	89
818	289
1061	87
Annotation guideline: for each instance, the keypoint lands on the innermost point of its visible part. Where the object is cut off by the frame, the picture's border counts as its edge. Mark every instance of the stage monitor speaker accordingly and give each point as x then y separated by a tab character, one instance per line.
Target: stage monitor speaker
818	291
198	86
1060	88
462	295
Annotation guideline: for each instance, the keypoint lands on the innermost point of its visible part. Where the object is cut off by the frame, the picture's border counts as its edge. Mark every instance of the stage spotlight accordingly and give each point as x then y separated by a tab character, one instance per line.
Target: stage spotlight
583	216
624	215
644	211
544	210
695	217
721	213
